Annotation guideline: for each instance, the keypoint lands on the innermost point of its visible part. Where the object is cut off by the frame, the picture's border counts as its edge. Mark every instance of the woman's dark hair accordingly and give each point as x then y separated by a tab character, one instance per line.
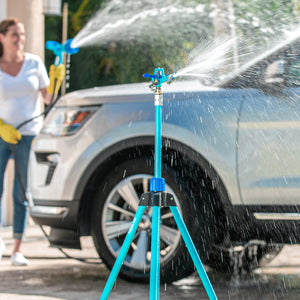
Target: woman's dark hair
4	25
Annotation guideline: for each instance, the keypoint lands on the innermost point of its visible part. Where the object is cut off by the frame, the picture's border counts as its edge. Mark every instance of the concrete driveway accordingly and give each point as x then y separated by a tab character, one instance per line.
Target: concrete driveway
52	276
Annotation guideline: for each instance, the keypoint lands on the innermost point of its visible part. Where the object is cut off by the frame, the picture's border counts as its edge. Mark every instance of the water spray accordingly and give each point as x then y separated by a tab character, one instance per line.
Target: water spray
127	20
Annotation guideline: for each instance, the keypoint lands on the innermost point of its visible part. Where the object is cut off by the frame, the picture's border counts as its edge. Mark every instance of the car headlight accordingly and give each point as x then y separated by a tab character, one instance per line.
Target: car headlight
63	121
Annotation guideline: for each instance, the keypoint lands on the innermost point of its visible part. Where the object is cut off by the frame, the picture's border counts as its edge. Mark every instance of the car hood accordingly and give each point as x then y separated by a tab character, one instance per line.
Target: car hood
129	92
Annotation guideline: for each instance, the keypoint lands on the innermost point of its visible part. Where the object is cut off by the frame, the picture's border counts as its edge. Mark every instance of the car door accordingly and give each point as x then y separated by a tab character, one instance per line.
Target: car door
268	160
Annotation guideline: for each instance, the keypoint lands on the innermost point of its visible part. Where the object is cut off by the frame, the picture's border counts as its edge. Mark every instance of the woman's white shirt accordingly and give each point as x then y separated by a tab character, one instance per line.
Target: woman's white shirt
20	99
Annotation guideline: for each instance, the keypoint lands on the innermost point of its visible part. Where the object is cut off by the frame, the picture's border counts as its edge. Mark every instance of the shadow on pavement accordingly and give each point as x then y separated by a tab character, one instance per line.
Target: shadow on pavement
52	276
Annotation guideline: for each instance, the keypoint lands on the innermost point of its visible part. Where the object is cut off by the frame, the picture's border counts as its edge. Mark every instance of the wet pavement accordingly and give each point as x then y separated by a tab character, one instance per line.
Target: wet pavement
52	276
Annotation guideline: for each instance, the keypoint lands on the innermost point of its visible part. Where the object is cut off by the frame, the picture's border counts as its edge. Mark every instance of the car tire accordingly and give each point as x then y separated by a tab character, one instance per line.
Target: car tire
112	216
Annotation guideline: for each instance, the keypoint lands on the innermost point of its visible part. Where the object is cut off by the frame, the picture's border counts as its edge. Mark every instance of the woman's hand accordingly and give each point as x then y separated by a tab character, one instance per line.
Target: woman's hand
46	96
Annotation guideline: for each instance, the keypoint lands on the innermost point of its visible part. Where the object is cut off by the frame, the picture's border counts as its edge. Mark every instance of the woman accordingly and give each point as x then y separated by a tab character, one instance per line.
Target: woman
23	78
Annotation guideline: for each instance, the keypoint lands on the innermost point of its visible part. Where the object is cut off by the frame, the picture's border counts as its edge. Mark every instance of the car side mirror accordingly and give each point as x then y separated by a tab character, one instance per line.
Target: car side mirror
274	73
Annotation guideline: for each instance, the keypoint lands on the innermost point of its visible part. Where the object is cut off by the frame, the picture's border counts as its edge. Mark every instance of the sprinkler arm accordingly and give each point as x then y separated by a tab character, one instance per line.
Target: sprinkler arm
171	77
58	49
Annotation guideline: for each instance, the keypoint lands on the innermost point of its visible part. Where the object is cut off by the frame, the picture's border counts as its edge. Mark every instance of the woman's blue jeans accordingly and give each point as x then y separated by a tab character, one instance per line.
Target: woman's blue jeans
21	153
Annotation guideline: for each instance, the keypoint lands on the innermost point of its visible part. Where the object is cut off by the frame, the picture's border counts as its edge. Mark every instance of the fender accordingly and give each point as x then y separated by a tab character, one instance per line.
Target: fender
186	151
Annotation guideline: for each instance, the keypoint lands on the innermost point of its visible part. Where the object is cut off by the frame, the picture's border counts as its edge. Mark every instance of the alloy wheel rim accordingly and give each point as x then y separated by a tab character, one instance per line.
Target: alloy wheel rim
119	210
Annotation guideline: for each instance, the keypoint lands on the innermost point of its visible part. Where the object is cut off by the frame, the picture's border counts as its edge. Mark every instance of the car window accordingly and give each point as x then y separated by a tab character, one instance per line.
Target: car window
280	69
293	66
284	67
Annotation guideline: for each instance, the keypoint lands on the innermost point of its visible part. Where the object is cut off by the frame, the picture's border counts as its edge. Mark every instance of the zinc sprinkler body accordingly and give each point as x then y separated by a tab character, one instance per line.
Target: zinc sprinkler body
159	77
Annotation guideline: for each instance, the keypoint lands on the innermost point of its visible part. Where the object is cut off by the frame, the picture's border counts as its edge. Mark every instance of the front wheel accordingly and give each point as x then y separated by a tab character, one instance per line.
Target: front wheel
115	205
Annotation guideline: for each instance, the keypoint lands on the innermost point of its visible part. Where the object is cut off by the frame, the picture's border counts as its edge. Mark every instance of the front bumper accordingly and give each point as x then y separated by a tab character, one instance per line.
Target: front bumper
62	217
57	214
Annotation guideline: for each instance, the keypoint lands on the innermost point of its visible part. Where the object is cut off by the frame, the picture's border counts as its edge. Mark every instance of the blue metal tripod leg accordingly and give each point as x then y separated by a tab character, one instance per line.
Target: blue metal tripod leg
192	250
155	255
124	249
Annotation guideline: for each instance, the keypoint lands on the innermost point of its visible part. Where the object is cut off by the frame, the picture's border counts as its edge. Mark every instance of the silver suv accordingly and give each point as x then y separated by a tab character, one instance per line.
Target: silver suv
231	158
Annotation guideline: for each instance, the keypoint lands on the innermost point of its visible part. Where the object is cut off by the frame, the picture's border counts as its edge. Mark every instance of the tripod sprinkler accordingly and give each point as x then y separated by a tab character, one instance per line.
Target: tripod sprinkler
58	49
157	198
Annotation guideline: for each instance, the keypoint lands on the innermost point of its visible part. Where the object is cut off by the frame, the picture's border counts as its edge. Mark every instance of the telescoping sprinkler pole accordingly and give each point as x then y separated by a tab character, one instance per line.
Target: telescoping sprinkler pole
157	198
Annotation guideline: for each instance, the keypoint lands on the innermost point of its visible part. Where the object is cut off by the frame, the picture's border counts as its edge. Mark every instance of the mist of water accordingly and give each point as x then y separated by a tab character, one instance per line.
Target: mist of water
139	20
158	23
205	60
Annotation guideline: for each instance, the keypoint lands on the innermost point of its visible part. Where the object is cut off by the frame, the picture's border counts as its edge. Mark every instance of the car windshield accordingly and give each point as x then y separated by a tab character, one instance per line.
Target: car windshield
280	64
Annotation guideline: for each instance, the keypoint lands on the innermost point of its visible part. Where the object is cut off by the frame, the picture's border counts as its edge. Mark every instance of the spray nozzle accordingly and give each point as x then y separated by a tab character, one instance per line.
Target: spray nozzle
58	49
171	77
159	77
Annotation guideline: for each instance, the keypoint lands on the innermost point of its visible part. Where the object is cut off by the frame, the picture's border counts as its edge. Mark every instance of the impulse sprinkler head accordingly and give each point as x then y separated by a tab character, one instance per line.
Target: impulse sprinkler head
58	49
159	77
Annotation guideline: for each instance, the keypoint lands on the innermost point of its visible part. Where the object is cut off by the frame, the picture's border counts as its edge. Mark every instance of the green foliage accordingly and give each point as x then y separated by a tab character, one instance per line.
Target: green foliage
261	24
53	27
84	64
263	18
